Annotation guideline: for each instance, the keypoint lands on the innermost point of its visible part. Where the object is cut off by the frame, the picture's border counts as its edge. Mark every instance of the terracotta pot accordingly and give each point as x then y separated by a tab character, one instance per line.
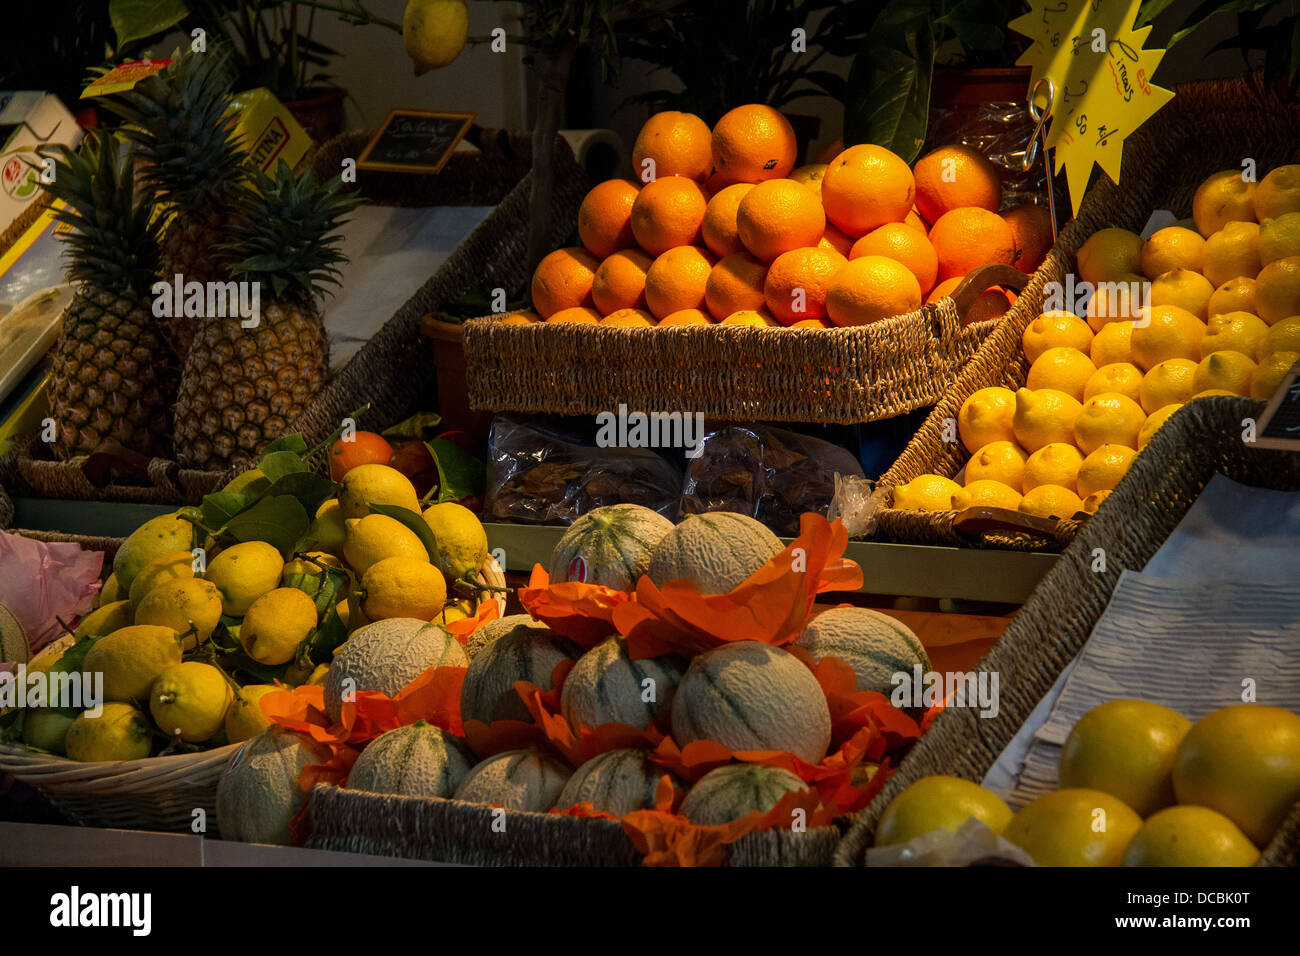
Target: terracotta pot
320	112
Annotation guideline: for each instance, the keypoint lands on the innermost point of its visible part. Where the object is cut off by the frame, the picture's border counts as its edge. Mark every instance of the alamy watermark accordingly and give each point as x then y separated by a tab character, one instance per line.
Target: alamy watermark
651	430
208	300
1121	300
20	688
952	689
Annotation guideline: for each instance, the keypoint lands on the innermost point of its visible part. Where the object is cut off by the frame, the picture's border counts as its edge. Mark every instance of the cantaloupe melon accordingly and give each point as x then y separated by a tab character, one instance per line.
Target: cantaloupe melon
493	630
525	653
747	695
606	686
714	551
875	645
418	760
386	656
516	780
258	793
730	792
617	782
609	546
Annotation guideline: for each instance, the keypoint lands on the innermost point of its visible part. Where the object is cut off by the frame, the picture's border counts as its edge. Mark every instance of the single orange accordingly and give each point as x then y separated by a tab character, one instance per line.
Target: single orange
526	317
871	288
735	283
812	324
677	280
620	281
798	281
575	314
749	317
605	217
867	186
629	317
719	226
968	238
946	287
563	280
992	304
1032	227
777	216
677	144
687	317
810	176
752	144
835	240
830	151
667	213
953	177
901	242
914	219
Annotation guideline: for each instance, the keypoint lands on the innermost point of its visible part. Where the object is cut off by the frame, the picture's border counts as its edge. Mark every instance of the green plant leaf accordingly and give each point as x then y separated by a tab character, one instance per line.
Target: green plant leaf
970	24
294	443
278	464
141	19
1150	9
74	657
415	521
220	506
278	520
415	427
308	487
331	633
888	101
459	475
1193	21
11	726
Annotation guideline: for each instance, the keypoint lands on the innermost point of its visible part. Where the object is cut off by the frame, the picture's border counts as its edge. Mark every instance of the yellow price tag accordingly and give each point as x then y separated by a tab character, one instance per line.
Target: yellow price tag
1102	77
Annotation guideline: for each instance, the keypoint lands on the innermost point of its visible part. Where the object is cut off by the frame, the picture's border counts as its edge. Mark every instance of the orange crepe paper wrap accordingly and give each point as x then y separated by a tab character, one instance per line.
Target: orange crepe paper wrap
464	629
502	735
584	613
771	605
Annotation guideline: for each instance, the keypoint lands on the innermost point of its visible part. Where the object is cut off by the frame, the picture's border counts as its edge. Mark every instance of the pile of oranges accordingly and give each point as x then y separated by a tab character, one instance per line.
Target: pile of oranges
1221	316
719	226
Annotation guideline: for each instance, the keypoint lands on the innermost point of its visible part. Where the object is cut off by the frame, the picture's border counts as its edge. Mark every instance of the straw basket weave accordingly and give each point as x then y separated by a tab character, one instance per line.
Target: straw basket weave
1199	440
1207	127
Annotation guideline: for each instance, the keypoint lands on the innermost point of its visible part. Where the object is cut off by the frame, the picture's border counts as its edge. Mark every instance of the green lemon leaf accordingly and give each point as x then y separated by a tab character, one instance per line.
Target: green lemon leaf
308	487
278	464
140	19
292	443
220	506
279	521
459	475
413	520
326	638
417	426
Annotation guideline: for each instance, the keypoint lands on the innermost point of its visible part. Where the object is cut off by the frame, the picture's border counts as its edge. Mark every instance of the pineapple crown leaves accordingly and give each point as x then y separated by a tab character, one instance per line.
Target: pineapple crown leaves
287	236
115	242
176	119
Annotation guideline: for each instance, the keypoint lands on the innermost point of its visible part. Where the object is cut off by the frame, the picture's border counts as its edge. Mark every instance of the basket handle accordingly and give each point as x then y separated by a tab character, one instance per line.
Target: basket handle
980	280
974	522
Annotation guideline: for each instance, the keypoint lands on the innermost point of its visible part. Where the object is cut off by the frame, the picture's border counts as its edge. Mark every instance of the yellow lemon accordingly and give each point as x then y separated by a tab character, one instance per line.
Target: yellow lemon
986	494
1154	421
375	537
1184	288
1168	382
1279	238
131	658
119	732
1277	290
1269	374
1002	461
939	802
1074	827
1283	336
1118	301
1055	330
276	623
1212	392
1108	418
1235	295
160	535
1231	252
1064	369
1227	371
105	619
402	587
1171	332
1044	416
1233	331
434	32
254	481
244	717
1173	247
110	592
1094	500
1109	254
1278	193
1244	762
1125	748
1190	836
375	483
183	605
1050	501
243	573
46	729
986	417
926	493
1103	468
1223	198
1112	344
317	678
1054	464
308	576
1122	377
171	566
190	701
455	612
462	542
328	530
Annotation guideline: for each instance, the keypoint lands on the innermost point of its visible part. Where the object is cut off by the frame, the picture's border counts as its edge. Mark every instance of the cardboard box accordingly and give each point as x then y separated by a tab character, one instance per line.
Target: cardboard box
32	125
268	130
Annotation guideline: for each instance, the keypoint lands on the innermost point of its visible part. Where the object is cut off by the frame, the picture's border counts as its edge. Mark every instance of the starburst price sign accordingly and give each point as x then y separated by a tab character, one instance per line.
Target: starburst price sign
1093	55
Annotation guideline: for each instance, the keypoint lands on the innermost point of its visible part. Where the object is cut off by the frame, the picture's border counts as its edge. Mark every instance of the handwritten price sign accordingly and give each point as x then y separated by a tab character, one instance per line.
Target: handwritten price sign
1102	75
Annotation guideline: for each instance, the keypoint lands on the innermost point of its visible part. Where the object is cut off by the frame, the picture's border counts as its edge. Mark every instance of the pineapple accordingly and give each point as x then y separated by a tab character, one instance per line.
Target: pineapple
191	156
112	375
242	387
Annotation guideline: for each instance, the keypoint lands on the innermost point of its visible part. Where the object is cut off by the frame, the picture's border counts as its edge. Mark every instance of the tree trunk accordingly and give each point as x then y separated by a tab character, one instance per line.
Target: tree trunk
553	77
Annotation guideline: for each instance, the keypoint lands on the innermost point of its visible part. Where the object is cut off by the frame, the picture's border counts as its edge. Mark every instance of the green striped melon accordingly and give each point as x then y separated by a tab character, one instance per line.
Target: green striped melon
386	656
617	782
875	645
258	792
729	793
418	760
607	686
610	546
714	551
525	653
747	695
516	780
493	630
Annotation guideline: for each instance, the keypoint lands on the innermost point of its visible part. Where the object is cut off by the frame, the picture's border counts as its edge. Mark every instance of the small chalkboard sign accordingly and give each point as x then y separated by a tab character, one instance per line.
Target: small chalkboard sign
414	141
1279	425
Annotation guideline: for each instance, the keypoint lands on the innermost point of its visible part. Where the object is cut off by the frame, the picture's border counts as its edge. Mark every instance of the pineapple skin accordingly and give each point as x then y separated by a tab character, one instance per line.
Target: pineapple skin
242	388
189	248
112	376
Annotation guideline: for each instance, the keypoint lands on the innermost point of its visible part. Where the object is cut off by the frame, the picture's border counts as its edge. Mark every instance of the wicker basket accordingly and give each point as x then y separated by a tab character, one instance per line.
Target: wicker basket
1163	164
1198	441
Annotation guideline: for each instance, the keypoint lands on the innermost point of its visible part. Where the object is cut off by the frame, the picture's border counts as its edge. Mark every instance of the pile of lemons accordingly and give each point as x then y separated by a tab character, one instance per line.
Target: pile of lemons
1221	317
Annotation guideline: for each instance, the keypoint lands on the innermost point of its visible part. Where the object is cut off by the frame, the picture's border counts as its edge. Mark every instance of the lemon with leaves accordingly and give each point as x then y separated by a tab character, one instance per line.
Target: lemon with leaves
462	542
243	573
189	606
131	658
375	484
434	32
118	732
160	535
375	537
276	624
190	701
310	573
